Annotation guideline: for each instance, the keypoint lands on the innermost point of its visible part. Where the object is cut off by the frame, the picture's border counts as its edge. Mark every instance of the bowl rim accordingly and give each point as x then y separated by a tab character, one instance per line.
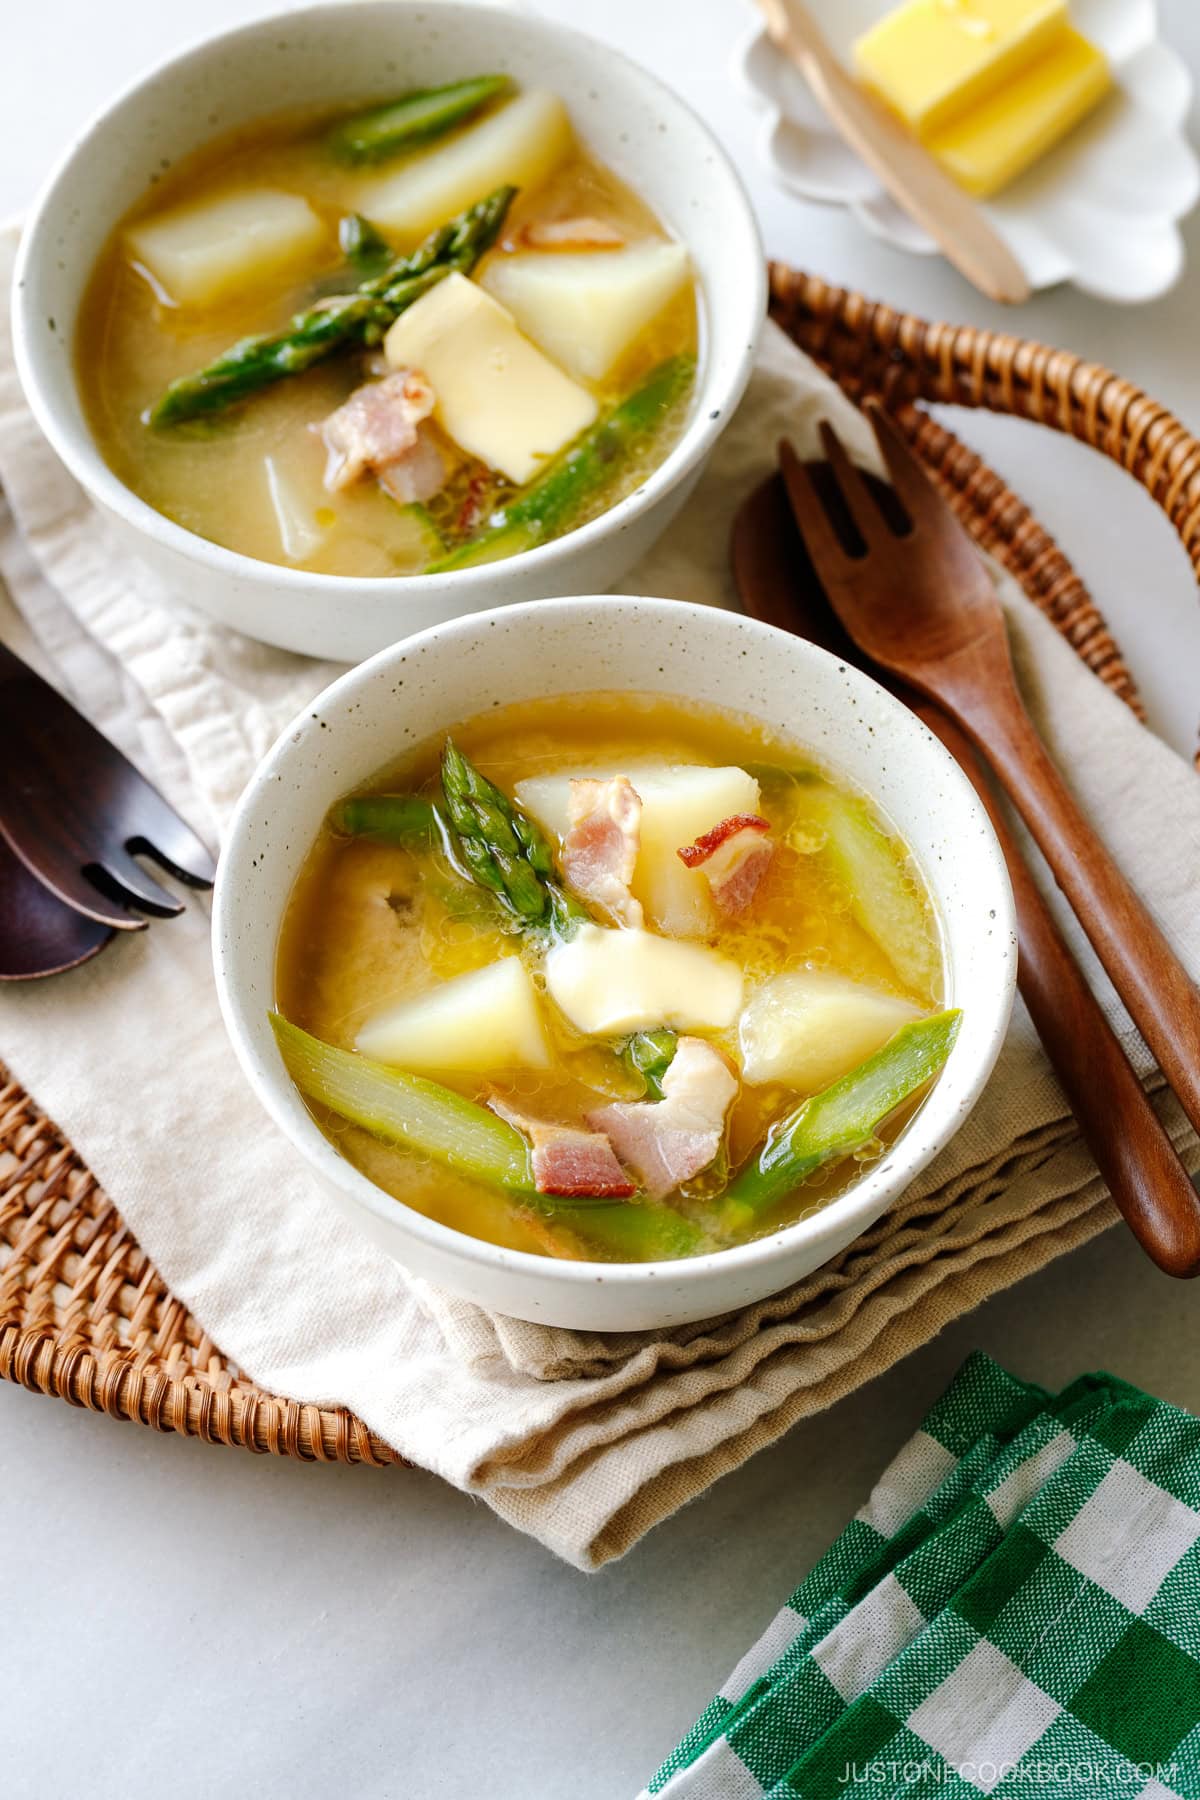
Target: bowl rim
75	444
865	1201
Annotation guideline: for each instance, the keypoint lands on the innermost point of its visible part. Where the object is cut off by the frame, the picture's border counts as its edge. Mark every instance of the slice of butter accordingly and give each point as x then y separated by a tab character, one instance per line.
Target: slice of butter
933	60
497	395
611	982
995	142
212	249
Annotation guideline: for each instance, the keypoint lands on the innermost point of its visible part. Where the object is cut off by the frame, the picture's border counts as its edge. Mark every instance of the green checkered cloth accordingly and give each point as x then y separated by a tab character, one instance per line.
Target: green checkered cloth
1015	1612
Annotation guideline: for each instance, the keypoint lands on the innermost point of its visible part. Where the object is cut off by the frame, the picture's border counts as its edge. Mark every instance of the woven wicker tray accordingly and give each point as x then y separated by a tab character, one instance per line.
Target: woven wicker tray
86	1317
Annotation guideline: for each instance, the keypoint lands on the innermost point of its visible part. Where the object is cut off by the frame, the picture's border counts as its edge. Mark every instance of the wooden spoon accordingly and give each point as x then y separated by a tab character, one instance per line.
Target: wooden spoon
39	935
777	582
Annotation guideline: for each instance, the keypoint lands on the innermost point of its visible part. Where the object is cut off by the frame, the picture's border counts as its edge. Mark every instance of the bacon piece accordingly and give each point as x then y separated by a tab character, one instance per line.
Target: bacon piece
733	859
666	1142
566	1160
380	430
601	845
570	234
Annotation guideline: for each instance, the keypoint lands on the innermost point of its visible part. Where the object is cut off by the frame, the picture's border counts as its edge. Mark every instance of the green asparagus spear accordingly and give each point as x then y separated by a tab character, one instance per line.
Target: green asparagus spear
555	498
407	1109
650	1054
422	1115
504	851
344	319
841	1119
414	118
407	819
362	245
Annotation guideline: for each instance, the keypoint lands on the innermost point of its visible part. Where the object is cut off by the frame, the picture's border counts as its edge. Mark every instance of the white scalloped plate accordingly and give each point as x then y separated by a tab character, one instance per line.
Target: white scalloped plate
1102	210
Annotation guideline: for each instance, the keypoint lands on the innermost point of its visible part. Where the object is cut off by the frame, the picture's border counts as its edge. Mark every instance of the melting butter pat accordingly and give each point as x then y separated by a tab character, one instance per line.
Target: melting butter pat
931	60
990	146
497	395
611	982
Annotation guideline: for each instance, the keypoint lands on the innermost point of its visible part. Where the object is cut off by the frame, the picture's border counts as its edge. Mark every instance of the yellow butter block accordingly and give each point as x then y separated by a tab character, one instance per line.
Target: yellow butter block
933	60
996	141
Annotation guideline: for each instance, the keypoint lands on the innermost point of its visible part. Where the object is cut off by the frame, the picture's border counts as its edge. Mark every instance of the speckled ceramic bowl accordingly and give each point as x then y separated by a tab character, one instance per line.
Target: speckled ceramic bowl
342	54
429	684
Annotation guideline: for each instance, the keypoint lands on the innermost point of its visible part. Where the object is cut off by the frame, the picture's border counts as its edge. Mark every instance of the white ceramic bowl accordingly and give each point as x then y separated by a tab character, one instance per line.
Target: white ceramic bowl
358	52
426	686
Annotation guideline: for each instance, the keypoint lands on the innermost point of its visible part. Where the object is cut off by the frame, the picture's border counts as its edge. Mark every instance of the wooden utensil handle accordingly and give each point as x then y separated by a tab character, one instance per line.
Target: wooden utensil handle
1126	1137
1158	992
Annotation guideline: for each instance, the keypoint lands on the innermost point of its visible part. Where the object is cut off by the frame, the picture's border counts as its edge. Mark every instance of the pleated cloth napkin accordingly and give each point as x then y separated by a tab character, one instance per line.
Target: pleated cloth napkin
1015	1611
583	1440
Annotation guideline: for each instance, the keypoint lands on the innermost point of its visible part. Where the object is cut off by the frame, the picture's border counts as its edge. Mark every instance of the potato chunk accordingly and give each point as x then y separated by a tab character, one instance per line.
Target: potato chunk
521	143
680	802
478	1023
586	308
497	395
807	1027
204	252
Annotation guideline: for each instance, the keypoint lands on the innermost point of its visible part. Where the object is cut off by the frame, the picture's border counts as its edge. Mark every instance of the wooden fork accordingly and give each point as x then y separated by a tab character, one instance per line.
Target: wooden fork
921	603
777	582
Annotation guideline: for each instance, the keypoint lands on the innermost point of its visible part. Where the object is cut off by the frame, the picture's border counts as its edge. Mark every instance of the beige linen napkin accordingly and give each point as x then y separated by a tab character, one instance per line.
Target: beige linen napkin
582	1440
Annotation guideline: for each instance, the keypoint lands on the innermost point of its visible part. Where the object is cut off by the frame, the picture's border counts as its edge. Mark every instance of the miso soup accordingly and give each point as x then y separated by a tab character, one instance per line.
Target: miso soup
369	345
610	977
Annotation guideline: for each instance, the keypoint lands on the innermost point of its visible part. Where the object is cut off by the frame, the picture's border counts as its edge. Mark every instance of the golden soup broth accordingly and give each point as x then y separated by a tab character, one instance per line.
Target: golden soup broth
212	475
369	924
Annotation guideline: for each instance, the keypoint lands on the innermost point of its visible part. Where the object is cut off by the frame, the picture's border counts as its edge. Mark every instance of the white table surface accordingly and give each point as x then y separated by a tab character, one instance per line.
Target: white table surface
186	1620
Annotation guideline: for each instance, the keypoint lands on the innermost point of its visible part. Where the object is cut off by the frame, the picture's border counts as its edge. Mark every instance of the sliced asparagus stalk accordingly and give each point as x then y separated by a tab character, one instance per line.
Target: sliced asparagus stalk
504	851
407	1109
362	245
650	1054
841	1119
407	819
341	321
415	118
550	503
631	1231
884	899
421	1115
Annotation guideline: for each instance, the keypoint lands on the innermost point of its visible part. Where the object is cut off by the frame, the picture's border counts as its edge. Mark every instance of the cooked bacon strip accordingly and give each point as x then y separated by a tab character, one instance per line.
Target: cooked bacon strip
570	234
601	845
733	859
566	1160
666	1142
381	430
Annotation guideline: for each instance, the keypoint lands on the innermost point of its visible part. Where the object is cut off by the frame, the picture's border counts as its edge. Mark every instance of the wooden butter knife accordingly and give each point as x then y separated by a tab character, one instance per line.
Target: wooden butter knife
915	179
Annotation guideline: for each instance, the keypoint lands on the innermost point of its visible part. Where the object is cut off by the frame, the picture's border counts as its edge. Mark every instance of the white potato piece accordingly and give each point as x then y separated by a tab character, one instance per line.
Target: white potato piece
478	1023
498	397
807	1027
680	802
521	143
611	982
586	308
210	249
